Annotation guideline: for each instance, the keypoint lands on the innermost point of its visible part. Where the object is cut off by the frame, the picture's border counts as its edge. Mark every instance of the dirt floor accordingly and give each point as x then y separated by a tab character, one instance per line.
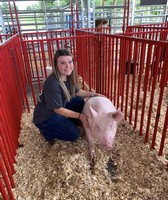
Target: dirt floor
63	171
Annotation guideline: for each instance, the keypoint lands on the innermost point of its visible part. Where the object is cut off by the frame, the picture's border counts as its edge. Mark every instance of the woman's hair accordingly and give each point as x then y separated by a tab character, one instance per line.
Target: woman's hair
70	78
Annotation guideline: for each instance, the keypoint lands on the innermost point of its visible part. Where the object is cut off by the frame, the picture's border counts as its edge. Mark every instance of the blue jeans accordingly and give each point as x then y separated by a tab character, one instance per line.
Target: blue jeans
60	127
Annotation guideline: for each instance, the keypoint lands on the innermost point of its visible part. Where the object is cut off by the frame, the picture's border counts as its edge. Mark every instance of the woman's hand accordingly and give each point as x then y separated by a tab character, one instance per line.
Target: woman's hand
100	95
84	119
84	93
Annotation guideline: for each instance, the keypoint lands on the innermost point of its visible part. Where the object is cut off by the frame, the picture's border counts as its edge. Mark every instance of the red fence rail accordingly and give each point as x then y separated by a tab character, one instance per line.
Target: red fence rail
12	98
4	37
125	74
129	70
47	34
39	55
147	27
159	35
118	66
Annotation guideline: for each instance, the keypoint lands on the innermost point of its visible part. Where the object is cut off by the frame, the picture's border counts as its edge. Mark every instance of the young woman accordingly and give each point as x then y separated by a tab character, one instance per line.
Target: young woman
58	110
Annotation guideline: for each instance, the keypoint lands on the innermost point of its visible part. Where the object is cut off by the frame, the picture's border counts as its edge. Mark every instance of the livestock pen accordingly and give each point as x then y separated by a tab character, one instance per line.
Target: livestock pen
118	66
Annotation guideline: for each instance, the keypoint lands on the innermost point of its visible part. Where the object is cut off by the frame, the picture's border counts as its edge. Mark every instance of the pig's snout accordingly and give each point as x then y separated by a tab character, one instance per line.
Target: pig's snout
107	143
108	148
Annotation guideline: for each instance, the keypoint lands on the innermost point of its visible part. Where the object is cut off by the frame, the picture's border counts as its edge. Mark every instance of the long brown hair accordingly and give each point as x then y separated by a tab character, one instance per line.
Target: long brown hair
71	78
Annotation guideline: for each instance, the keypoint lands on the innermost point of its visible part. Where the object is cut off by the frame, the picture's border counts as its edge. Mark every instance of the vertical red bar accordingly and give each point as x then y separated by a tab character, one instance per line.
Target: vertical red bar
28	66
102	42
152	92
90	62
135	58
97	63
116	44
22	76
129	47
121	72
164	134
112	68
5	178
6	162
162	88
109	61
3	190
142	58
5	134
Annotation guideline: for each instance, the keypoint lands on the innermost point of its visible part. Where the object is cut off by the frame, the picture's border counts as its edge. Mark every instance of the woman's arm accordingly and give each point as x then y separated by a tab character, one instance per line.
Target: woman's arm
67	113
72	114
84	93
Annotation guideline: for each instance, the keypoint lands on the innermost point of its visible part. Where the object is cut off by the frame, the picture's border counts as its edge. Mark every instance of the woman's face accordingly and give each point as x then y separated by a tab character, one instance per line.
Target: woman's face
65	66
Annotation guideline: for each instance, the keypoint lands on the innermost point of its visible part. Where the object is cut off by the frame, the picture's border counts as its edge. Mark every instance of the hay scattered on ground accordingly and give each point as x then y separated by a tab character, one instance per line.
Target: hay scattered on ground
62	171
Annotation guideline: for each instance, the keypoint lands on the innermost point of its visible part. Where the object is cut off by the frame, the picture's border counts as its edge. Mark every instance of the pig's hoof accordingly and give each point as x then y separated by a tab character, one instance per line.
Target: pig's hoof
112	169
51	142
92	155
92	165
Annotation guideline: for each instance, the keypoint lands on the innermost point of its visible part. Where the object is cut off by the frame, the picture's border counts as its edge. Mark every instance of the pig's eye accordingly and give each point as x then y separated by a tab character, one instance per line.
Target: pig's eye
111	126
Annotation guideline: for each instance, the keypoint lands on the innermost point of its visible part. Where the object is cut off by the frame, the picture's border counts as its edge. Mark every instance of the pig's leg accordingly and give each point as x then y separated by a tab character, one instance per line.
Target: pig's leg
91	143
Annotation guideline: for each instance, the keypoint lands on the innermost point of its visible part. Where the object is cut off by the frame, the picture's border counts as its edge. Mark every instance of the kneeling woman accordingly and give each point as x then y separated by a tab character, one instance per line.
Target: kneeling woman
59	107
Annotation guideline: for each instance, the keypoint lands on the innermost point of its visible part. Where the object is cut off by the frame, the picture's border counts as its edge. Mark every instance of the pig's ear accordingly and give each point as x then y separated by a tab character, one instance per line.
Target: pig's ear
117	116
92	111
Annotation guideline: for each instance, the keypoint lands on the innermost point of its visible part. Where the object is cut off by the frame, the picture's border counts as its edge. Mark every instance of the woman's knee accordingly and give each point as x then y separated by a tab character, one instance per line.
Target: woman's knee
73	134
76	104
67	133
80	100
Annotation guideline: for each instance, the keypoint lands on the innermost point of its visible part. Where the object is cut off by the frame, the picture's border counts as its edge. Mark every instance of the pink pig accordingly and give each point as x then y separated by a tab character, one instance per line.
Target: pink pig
103	119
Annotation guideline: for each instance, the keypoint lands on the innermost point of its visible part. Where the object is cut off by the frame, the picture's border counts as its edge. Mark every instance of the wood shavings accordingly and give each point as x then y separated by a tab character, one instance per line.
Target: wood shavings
62	171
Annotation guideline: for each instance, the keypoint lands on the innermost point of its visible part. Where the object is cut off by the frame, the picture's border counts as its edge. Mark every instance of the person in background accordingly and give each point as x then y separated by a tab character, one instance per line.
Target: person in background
58	111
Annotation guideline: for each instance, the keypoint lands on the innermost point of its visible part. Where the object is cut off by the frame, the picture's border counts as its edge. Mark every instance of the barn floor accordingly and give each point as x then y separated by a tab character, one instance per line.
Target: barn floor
62	171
